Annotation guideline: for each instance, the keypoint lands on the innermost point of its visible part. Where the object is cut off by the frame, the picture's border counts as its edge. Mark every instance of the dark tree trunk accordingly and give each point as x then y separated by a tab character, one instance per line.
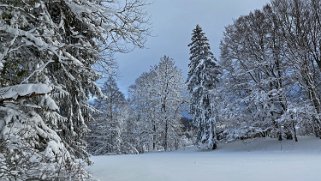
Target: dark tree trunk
154	136
166	135
214	146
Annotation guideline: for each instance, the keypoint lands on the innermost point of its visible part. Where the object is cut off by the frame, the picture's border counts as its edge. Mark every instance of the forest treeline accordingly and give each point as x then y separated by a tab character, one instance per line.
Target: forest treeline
266	83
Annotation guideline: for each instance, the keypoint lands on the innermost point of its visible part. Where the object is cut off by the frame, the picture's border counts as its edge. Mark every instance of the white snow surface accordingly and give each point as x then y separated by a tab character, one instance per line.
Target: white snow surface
261	159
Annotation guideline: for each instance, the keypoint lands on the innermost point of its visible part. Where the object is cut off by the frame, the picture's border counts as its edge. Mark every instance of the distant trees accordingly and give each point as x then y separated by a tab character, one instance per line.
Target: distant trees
149	120
267	84
156	98
143	104
169	90
201	82
108	130
273	73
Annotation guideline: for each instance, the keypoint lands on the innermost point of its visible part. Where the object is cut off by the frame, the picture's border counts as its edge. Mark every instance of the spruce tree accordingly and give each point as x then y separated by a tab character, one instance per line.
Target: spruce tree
201	82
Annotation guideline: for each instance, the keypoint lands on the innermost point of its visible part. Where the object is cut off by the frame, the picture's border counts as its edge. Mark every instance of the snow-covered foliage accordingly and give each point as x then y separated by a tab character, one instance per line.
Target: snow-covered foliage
108	130
156	97
148	121
201	82
54	44
31	147
16	91
272	70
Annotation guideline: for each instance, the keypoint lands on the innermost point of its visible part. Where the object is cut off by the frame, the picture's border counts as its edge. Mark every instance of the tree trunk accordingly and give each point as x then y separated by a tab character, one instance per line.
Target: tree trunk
200	132
212	135
313	95
294	131
154	136
166	135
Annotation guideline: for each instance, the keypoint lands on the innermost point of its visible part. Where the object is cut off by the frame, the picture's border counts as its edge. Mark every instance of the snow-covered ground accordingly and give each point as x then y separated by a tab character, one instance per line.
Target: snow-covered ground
256	160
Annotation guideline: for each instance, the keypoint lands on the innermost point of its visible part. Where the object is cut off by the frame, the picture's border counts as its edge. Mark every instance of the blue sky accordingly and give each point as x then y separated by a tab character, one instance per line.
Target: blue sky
172	23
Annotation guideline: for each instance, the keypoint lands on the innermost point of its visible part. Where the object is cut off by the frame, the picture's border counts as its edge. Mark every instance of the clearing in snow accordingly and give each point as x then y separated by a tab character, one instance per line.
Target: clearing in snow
259	159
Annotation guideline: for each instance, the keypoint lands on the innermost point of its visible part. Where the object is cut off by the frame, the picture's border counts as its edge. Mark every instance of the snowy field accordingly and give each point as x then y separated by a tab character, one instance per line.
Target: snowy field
256	160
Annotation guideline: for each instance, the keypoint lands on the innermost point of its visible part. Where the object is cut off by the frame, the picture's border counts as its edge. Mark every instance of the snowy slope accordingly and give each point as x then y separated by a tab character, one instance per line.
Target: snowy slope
260	159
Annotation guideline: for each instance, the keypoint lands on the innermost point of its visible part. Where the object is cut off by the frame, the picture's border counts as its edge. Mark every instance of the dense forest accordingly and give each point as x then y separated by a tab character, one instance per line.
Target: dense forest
53	115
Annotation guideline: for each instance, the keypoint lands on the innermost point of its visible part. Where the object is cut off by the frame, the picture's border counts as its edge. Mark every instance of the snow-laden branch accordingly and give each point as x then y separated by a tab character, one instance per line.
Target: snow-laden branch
23	90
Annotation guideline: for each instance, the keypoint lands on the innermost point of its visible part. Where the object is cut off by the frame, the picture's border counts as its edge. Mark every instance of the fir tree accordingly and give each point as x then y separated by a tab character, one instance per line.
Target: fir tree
201	82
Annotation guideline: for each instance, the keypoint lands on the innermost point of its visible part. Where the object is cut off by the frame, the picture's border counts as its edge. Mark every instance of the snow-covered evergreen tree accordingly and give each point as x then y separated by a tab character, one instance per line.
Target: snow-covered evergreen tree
30	146
56	43
201	82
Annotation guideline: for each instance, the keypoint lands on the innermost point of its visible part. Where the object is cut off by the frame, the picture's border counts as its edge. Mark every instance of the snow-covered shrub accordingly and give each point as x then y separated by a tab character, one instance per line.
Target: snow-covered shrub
246	132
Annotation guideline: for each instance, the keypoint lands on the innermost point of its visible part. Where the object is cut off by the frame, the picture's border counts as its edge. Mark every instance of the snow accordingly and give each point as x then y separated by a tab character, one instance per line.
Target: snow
49	103
260	159
13	92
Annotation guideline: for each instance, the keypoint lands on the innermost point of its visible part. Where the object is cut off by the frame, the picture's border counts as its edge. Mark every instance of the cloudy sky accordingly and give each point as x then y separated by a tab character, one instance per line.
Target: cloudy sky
172	24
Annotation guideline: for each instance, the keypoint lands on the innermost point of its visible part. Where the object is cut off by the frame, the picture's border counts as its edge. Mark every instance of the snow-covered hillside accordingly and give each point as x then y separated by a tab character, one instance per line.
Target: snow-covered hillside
260	159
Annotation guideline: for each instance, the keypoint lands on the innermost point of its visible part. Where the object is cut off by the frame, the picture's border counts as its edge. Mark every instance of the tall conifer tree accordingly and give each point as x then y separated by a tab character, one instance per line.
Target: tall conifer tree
201	82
